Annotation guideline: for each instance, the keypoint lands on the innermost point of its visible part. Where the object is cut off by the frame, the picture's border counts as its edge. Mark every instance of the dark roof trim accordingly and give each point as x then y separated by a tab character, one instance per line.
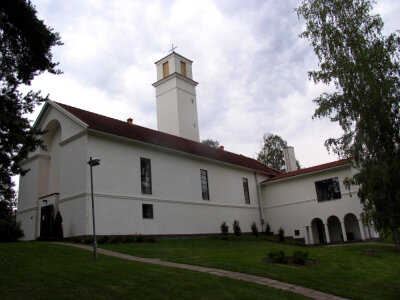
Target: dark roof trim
142	134
306	171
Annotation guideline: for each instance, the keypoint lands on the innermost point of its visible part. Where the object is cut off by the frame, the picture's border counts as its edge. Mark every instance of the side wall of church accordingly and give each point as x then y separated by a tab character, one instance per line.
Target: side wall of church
178	207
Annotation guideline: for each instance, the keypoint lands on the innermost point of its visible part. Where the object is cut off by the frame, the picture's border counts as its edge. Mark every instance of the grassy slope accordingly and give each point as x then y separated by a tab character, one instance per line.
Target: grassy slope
38	270
344	270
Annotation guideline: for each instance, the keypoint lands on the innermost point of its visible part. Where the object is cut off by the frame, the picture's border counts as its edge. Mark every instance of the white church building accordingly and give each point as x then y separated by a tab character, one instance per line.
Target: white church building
165	182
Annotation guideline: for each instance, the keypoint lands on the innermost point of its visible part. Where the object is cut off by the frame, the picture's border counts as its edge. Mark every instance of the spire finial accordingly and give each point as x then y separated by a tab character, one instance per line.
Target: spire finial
173	48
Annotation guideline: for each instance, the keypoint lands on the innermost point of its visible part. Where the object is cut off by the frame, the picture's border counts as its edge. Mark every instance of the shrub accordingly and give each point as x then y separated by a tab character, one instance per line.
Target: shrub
277	256
139	238
102	240
254	229
236	228
268	229
128	239
151	239
281	234
300	257
58	229
224	228
115	240
87	240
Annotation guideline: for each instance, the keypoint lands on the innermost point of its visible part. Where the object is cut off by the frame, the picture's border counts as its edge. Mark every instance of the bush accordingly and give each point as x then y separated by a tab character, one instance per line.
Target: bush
268	230
139	238
236	228
58	229
224	228
281	234
300	257
87	240
254	229
277	257
115	240
151	239
10	229
128	239
102	240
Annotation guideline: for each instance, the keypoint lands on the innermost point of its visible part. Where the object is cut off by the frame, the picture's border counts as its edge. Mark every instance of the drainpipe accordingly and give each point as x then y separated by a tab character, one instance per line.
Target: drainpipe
259	201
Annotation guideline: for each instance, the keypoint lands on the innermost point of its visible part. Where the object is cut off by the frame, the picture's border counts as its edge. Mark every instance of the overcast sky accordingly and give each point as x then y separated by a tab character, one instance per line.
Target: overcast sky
247	57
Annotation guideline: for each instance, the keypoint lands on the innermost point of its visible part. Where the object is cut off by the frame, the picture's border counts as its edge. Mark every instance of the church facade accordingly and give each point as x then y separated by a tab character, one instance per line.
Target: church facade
165	182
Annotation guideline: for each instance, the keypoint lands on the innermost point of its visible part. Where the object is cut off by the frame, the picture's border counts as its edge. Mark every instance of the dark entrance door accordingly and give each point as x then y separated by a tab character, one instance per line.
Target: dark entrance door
321	229
46	221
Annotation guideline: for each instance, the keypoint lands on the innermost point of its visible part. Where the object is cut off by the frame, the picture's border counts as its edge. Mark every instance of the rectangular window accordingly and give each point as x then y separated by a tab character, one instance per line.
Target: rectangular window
204	185
165	67
183	68
145	174
246	191
147	210
297	232
328	189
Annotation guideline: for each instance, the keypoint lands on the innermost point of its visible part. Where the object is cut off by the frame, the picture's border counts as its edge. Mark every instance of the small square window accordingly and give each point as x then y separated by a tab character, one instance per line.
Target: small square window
147	210
297	232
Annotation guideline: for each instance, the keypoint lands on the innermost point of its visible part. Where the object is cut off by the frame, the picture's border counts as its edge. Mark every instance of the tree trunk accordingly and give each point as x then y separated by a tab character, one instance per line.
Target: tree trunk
396	237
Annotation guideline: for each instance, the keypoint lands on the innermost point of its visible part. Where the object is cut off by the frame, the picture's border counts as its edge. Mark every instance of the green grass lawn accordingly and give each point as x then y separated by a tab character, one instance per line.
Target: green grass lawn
39	270
343	270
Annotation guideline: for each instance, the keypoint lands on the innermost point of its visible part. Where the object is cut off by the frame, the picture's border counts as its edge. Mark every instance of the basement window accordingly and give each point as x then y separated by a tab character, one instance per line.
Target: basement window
328	189
147	210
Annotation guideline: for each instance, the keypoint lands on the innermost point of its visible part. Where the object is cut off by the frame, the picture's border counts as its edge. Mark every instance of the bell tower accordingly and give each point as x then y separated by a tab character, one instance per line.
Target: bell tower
176	97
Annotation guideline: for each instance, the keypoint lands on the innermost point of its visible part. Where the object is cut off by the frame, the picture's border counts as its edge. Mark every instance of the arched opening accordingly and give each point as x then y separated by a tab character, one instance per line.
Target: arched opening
335	229
352	227
318	231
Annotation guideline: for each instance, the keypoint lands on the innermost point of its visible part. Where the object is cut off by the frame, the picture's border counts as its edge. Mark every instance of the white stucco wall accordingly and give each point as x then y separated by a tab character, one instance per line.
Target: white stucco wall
59	169
177	201
292	203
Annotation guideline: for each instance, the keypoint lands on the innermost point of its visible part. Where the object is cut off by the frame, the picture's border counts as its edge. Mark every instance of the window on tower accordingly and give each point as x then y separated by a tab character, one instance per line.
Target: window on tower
183	68
165	69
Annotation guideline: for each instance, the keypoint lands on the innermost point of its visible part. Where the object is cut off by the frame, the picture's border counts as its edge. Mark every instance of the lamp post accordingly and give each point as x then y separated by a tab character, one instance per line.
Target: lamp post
93	162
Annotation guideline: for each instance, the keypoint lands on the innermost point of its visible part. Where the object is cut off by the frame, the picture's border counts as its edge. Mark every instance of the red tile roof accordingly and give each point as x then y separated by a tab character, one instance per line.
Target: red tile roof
310	170
146	135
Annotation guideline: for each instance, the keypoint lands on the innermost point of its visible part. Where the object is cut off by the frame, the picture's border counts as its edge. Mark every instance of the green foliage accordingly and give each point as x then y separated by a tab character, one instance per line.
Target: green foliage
10	229
224	228
211	143
254	229
364	67
277	257
24	53
58	229
139	238
300	257
128	239
236	228
268	229
271	151
281	234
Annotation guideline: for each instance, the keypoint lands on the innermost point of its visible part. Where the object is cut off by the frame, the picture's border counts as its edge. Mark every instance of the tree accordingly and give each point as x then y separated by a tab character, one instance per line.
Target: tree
211	143
25	44
271	152
363	66
10	229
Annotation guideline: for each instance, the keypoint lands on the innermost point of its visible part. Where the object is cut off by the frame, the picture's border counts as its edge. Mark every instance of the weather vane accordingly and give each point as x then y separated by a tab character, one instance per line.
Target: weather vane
173	48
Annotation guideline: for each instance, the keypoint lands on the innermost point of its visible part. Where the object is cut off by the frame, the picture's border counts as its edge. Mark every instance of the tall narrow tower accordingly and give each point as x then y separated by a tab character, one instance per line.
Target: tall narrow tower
176	97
